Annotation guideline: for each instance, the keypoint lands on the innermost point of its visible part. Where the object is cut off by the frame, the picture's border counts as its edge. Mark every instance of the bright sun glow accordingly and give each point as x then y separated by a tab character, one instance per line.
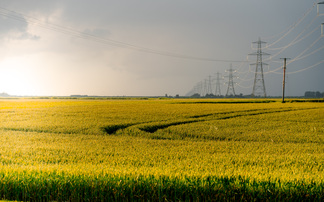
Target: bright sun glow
16	77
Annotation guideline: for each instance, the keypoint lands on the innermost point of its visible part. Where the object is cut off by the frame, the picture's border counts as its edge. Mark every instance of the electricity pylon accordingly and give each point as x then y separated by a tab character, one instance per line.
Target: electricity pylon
209	86
230	88
205	90
218	89
318	9
259	86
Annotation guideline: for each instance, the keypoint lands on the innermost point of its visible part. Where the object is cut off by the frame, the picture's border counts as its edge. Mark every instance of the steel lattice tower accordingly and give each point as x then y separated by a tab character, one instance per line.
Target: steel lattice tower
218	89
209	87
259	86
230	88
205	90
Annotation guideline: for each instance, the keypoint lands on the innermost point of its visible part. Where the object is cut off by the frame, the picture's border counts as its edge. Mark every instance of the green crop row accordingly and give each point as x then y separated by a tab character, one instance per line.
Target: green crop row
161	150
51	187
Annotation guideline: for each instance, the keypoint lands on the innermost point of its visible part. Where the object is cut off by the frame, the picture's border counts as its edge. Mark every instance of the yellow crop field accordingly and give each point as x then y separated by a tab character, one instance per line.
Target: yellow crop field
161	149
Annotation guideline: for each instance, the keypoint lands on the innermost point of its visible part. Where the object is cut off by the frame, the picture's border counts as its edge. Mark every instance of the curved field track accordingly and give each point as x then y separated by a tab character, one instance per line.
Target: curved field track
174	150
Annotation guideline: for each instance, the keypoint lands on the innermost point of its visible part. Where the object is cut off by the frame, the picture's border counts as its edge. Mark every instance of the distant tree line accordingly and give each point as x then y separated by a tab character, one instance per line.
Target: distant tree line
308	94
312	94
197	95
4	95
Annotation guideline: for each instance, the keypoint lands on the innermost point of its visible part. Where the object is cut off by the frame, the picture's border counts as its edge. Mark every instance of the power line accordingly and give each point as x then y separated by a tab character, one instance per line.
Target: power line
305	56
293	41
230	87
294	25
309	47
304	69
78	34
207	87
245	79
218	89
287	46
294	72
259	86
244	86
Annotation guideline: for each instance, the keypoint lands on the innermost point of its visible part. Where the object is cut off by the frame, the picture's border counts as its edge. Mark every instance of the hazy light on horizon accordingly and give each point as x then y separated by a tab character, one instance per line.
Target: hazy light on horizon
37	59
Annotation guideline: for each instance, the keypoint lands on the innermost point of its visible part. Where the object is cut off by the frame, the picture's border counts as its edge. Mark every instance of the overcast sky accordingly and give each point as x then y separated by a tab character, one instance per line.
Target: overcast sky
117	48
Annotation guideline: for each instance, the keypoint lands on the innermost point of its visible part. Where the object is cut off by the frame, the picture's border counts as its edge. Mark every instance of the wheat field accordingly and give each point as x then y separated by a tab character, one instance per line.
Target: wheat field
161	149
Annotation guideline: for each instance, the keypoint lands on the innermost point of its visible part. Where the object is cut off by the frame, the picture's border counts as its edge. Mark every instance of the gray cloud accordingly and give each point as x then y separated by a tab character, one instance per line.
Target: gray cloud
97	32
14	26
214	29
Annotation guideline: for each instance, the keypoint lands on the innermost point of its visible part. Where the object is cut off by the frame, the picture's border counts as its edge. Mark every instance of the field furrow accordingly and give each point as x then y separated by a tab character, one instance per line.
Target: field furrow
173	150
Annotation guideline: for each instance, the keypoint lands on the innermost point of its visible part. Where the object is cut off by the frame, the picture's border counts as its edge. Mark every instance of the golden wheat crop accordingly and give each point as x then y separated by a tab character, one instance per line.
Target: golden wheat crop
178	139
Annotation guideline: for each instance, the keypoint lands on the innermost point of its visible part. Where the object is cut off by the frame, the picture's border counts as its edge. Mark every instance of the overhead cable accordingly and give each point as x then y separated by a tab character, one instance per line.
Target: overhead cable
294	72
243	86
315	51
78	34
298	57
245	79
294	25
304	69
295	41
